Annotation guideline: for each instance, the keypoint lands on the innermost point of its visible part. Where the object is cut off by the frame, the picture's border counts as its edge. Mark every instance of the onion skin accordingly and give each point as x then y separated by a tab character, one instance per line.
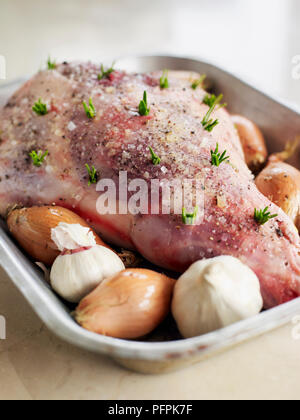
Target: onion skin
280	182
252	141
129	305
31	227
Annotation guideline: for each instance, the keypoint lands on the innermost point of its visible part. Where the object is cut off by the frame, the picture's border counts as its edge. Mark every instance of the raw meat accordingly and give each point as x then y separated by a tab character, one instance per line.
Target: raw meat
118	139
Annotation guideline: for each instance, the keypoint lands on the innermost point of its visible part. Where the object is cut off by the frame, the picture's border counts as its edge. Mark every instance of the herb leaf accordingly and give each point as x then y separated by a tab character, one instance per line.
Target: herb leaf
210	125
143	107
51	64
212	101
106	73
189	218
164	81
155	159
89	109
218	158
38	158
93	177
40	108
198	82
263	216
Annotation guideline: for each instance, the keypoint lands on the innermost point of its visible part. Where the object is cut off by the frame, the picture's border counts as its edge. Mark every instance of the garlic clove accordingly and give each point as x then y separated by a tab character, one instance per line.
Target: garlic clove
213	294
129	305
67	236
75	273
31	227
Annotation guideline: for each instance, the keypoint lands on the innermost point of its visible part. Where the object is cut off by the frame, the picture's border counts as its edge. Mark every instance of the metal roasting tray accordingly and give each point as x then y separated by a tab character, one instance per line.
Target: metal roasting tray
279	122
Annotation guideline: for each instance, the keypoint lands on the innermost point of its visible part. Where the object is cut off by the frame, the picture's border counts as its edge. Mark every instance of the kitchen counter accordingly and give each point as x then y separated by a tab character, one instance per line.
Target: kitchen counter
34	364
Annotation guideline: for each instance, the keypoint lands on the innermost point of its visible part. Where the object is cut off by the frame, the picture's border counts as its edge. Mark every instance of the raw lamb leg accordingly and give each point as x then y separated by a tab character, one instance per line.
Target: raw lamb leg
118	139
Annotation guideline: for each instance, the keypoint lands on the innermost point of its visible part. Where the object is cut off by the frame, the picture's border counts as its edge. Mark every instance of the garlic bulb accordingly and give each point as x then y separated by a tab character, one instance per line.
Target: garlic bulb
213	294
82	266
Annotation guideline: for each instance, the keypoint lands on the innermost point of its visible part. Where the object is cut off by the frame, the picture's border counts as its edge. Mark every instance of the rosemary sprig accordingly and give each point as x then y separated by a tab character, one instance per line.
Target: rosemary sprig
155	159
40	108
263	216
106	73
209	125
144	110
189	218
89	109
218	158
93	177
212	101
164	80
51	64
198	82
38	158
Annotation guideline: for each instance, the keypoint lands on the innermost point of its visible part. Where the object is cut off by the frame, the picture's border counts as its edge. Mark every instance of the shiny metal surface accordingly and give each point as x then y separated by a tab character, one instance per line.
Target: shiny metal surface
280	123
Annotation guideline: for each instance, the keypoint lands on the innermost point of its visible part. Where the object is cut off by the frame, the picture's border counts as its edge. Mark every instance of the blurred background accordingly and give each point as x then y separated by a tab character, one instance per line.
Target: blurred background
256	39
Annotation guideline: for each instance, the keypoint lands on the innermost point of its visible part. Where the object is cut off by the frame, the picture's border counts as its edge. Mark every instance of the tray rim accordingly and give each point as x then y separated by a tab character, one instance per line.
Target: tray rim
68	330
291	105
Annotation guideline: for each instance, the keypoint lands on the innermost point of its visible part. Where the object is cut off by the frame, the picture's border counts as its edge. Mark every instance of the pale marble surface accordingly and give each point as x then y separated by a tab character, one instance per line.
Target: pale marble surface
36	365
254	38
